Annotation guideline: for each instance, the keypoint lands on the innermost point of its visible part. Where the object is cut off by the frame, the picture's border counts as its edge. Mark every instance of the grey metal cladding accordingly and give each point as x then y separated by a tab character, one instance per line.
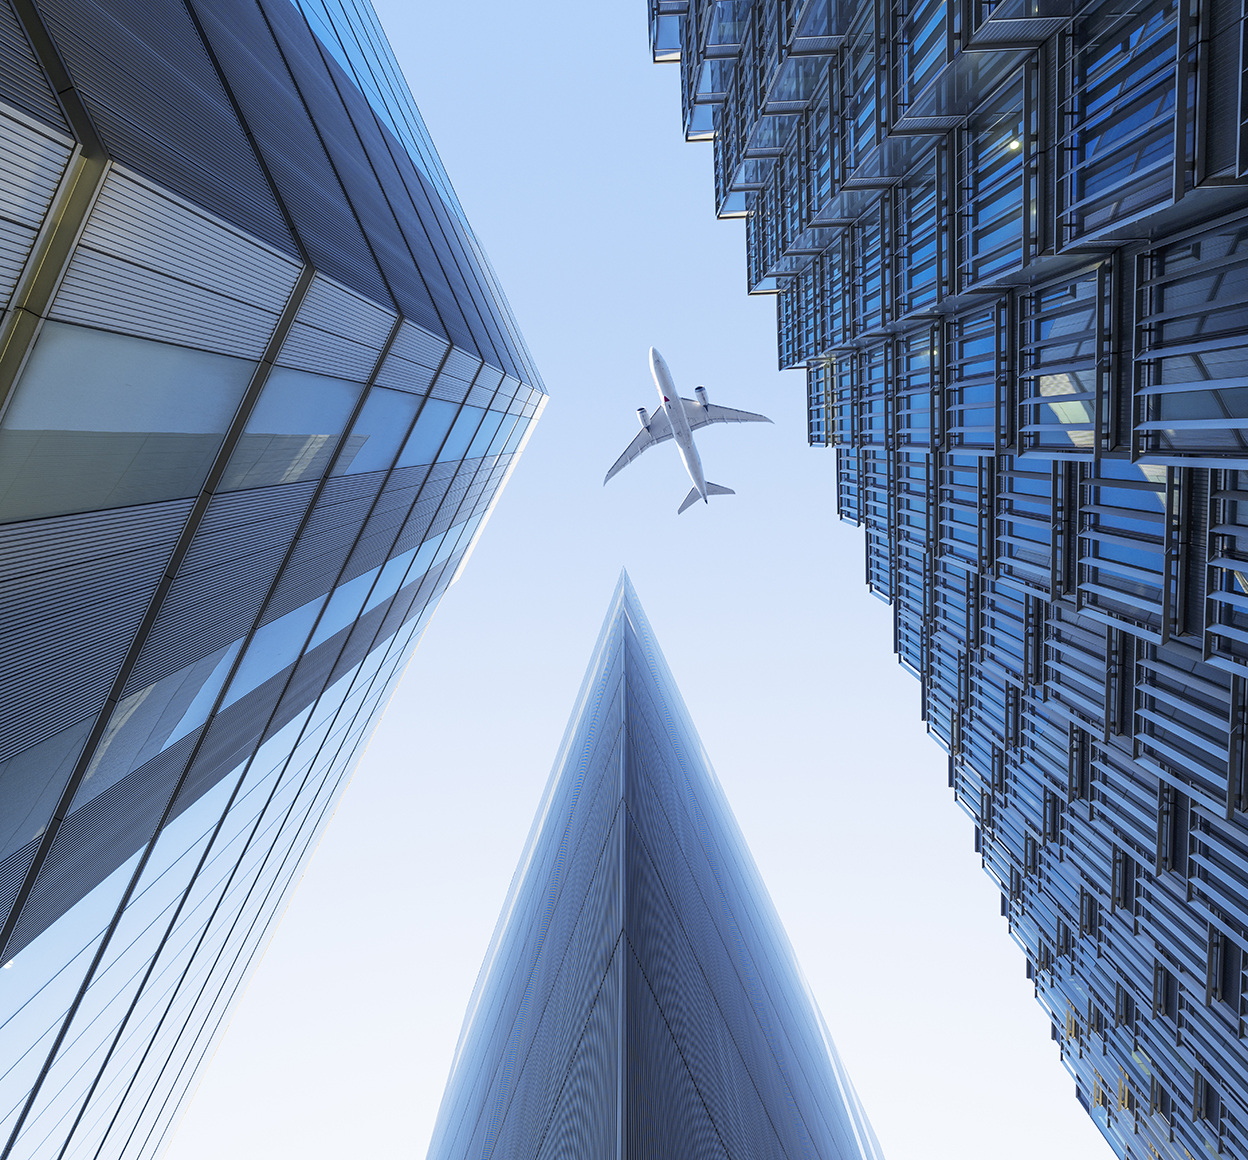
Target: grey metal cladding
485	389
98	837
414	359
337	332
223	579
35	159
160	107
47	679
352	137
231	739
22	81
153	266
325	542
291	146
377	538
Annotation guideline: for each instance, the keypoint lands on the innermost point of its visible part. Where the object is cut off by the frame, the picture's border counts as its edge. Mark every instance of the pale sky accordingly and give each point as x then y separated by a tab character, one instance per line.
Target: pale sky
564	145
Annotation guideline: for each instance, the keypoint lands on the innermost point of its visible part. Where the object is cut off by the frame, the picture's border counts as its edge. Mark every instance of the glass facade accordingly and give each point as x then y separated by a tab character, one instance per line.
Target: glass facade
259	392
640	998
1009	248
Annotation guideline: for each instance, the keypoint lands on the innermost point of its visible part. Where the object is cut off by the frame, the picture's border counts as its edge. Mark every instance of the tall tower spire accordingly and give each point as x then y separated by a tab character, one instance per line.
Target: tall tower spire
640	997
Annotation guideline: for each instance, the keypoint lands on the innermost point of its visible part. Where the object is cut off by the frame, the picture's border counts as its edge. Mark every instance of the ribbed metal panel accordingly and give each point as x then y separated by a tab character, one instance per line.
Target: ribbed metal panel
13	873
362	635
506	393
98	837
342	135
34	159
231	739
413	359
306	682
22	82
337	332
66	628
325	542
224	578
416	528
151	265
484	389
296	159
456	378
377	538
160	108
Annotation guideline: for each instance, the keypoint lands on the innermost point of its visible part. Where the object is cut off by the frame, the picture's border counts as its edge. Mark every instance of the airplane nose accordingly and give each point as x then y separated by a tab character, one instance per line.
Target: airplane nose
654	355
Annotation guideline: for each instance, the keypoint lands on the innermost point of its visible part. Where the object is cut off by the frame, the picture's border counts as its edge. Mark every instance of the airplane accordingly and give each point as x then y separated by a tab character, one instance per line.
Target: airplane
677	419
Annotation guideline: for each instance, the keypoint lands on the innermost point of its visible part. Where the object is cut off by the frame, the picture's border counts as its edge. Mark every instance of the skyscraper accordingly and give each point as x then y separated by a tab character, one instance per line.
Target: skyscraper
259	390
1009	248
640	998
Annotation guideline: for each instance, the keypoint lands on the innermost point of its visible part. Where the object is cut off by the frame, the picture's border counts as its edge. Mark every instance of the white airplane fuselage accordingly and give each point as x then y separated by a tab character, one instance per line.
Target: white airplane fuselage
679	420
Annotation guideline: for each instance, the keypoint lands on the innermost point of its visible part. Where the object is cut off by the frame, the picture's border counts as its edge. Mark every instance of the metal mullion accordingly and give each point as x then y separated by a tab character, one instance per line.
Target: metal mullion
1182	53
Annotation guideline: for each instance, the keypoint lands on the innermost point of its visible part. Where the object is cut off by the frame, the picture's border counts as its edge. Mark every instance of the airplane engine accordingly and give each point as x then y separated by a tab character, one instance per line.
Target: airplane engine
644	416
701	393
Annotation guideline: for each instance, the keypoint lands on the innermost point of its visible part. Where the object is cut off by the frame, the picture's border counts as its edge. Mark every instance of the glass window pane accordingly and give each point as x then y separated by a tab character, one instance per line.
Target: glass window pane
485	433
274	646
461	434
102	420
344	606
149	721
379	430
31	783
293	430
435	421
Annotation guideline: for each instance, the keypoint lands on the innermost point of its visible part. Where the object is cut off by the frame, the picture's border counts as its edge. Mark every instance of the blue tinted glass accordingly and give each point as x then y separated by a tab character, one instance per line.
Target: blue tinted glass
297	402
461	434
149	721
503	434
426	437
485	434
521	427
344	606
272	648
198	710
391	579
378	433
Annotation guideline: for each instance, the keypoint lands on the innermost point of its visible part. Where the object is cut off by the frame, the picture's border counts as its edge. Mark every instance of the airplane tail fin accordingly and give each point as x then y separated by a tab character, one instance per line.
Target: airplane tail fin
694	495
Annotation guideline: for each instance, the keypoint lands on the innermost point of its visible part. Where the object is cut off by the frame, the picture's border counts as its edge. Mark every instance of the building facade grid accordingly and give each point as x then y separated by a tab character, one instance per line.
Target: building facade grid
1008	243
259	393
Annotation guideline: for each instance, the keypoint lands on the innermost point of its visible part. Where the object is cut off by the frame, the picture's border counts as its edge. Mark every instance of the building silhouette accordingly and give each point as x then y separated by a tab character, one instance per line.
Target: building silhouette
639	997
1009	247
259	390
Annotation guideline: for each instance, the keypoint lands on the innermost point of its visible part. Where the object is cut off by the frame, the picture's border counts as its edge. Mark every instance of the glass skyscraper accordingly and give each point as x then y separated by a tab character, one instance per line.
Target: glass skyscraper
1008	241
259	390
640	998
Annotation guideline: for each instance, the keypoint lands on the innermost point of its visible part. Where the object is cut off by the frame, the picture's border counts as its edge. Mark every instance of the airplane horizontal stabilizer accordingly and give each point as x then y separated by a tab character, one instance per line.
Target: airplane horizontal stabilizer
692	498
715	489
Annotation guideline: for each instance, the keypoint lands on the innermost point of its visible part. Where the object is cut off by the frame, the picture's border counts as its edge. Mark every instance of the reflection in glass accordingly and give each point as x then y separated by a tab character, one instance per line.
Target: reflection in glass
379	430
426	437
293	430
457	441
148	721
272	648
102	420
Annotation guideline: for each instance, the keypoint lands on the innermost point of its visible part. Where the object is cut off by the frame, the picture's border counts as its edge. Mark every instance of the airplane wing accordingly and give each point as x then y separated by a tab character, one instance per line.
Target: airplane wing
700	416
659	431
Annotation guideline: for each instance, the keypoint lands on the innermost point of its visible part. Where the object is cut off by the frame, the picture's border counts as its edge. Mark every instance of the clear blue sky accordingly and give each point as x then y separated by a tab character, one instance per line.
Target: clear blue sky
564	145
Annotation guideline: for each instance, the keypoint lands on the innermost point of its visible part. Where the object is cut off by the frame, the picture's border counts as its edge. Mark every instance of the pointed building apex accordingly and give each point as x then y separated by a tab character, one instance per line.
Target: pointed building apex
640	999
